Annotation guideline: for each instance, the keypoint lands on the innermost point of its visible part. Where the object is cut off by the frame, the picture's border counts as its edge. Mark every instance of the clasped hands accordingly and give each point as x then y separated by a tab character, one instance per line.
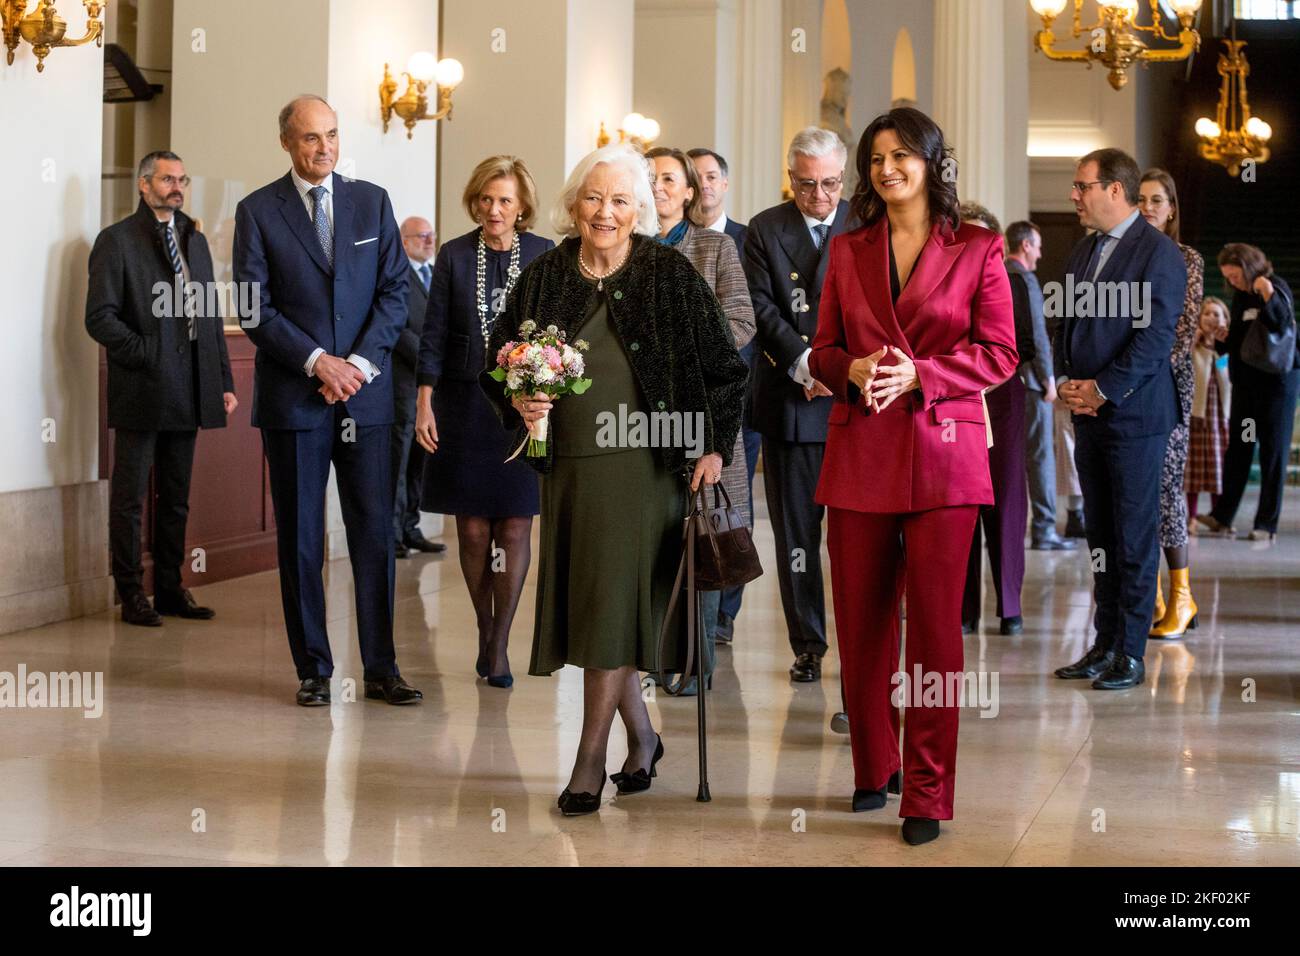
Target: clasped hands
880	384
339	378
1081	396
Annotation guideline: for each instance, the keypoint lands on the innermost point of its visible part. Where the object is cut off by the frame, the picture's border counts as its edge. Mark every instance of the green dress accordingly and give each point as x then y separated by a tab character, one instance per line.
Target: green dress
611	525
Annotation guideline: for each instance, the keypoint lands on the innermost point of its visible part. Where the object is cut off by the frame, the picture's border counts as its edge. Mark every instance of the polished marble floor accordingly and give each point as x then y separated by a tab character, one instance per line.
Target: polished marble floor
201	757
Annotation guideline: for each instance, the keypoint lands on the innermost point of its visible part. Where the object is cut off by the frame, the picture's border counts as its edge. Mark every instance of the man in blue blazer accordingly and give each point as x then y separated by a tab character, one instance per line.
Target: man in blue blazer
326	255
1118	309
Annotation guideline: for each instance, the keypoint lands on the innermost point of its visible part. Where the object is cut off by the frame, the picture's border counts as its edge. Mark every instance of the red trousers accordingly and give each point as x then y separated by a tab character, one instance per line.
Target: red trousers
875	560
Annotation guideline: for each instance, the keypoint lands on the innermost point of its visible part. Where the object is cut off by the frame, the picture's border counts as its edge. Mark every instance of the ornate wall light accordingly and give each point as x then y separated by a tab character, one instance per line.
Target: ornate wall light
44	29
1233	136
640	131
413	105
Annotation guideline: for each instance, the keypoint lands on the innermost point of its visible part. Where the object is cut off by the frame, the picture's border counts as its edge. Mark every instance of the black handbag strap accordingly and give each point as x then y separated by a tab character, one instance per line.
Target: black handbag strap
698	515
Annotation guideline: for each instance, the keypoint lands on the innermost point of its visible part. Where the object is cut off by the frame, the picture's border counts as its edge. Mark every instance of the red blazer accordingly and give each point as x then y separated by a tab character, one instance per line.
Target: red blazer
954	319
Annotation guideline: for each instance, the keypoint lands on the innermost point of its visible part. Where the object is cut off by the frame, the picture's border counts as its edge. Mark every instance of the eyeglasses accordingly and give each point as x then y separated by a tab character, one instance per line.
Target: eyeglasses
422	236
807	187
1082	188
172	181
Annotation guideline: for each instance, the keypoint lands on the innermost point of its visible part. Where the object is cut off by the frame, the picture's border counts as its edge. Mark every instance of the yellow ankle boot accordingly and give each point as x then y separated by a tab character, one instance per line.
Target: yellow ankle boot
1180	615
1159	613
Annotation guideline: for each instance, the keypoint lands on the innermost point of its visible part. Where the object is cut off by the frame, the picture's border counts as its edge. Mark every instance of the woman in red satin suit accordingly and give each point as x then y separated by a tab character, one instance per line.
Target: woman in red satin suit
915	321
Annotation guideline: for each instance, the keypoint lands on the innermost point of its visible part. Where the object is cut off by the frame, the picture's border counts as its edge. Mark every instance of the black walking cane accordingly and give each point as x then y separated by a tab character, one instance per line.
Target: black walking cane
695	635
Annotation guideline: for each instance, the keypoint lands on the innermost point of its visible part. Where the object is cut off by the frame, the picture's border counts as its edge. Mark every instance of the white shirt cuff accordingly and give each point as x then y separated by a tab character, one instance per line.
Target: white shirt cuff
368	370
799	370
310	364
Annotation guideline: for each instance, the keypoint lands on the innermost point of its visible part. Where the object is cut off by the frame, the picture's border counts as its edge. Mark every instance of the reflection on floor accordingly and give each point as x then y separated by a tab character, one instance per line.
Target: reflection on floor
202	757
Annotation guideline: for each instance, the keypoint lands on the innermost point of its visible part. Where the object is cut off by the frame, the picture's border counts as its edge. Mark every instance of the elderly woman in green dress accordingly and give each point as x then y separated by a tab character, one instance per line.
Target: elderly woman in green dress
661	353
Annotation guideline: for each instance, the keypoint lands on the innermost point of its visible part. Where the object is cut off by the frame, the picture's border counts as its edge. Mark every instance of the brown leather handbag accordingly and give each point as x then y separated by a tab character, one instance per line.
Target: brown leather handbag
725	553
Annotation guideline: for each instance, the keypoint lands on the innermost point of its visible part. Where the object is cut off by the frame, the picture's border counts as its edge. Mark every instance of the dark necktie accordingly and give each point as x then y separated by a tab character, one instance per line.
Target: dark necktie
822	231
1094	257
174	254
322	223
424	275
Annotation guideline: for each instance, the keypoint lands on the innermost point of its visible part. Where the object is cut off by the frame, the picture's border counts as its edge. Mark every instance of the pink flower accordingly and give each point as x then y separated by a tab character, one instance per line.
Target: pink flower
553	359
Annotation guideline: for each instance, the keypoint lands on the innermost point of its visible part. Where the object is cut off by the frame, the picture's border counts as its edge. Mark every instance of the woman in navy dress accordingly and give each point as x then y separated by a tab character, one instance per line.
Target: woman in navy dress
466	474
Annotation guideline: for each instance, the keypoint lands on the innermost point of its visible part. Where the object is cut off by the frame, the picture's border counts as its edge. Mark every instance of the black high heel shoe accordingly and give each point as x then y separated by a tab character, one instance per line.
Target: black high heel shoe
505	680
875	799
918	830
576	804
639	780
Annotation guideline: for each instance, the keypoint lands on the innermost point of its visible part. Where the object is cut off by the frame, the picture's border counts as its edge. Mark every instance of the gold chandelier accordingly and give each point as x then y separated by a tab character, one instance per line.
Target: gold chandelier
1234	136
44	29
1113	41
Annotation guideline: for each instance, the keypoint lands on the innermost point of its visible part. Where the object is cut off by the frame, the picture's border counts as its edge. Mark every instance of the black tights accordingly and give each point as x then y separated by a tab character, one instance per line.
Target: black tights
494	580
604	693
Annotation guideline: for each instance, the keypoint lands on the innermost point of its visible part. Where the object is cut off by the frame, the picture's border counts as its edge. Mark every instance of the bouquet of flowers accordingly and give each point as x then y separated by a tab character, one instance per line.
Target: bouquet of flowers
540	362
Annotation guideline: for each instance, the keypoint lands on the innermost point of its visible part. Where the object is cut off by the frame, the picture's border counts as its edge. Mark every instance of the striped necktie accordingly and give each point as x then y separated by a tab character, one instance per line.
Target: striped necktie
174	254
424	275
822	231
322	223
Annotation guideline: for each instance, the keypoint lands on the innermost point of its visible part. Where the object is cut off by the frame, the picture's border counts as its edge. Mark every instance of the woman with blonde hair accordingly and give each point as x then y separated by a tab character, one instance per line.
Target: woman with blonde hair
1209	425
466	474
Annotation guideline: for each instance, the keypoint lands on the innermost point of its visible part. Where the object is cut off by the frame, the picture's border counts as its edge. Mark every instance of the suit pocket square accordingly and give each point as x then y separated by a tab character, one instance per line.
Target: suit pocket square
364	241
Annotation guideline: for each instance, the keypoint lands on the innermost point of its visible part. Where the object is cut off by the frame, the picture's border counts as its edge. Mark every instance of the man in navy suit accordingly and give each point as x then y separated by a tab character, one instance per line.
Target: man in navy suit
1119	306
328	261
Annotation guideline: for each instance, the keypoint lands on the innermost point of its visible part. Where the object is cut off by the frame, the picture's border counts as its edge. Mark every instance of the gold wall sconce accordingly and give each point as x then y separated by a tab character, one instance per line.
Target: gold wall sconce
413	105
1114	39
44	29
640	131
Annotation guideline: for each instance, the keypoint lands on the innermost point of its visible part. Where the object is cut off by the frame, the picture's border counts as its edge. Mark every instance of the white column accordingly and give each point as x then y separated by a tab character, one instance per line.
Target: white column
759	155
969	95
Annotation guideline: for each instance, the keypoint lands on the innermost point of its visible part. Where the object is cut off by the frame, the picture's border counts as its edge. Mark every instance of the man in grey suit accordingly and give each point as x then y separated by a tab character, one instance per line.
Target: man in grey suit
785	262
420	241
1024	249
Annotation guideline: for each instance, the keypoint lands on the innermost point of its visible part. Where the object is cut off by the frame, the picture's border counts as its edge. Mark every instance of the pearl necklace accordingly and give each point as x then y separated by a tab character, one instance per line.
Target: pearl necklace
601	277
512	273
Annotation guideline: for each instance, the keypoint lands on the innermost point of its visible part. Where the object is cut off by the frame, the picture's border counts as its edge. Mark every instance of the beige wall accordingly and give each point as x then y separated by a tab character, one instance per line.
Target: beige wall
53	510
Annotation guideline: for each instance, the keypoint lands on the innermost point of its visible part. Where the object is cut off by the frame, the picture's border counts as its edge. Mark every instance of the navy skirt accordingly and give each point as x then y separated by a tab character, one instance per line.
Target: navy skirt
468	475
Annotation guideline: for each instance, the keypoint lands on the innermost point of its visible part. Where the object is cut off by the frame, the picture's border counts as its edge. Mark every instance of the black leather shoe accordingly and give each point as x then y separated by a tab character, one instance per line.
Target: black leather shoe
639	779
1090	665
576	804
137	610
918	830
394	690
1012	625
314	692
182	604
726	629
840	723
864	800
1054	542
970	625
806	668
1125	671
1074	526
400	550
418	542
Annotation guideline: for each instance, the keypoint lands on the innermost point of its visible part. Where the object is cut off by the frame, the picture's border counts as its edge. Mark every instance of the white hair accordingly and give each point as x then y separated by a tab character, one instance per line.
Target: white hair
815	141
621	156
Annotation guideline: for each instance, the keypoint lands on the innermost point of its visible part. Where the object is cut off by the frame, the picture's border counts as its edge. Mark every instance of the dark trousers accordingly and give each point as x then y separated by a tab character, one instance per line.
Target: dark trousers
1004	521
1120	478
790	473
730	601
407	475
1040	464
875	560
299	468
1268	400
171	455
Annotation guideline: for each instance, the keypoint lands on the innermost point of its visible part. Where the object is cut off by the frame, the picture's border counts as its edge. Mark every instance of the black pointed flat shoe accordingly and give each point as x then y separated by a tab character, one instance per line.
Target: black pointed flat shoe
577	804
864	800
918	830
639	779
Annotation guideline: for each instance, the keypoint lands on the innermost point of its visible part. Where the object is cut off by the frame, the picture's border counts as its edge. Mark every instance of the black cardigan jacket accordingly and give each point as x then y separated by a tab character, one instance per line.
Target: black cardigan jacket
671	325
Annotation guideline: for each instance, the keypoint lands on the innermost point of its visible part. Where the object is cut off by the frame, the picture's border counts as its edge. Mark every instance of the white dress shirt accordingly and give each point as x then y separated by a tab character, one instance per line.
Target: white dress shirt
720	224
304	190
799	370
